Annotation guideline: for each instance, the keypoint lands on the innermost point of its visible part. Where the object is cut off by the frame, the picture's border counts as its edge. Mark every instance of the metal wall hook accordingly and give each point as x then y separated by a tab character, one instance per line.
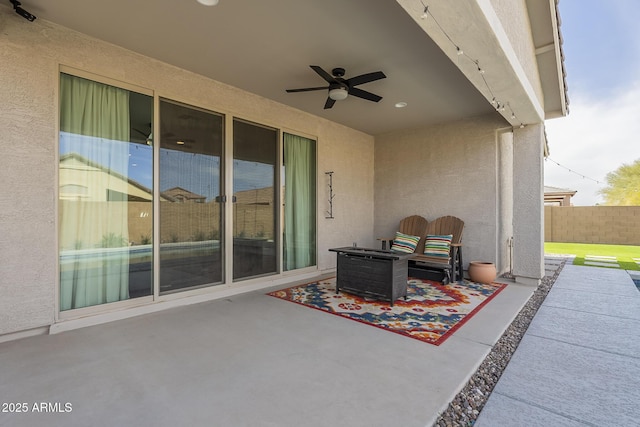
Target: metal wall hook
331	195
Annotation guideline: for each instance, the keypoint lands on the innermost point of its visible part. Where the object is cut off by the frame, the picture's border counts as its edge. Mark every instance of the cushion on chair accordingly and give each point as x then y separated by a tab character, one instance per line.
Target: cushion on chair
438	245
405	243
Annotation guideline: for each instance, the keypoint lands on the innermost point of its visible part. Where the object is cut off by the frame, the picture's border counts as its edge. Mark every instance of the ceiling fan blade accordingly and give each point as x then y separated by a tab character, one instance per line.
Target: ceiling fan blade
329	103
140	132
364	94
366	78
307	89
328	77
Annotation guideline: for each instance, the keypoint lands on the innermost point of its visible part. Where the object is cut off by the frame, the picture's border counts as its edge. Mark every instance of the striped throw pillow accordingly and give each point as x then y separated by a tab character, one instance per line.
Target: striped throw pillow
438	245
405	243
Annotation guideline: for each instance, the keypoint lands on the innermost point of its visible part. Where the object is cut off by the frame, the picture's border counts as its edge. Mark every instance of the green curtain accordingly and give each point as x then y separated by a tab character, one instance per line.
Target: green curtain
299	202
94	146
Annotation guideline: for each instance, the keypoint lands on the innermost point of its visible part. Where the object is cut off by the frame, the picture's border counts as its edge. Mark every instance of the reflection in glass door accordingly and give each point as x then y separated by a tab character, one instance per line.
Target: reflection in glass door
191	223
254	214
105	196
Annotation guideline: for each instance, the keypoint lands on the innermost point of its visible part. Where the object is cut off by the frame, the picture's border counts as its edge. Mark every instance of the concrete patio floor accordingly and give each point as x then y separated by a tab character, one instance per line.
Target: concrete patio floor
247	360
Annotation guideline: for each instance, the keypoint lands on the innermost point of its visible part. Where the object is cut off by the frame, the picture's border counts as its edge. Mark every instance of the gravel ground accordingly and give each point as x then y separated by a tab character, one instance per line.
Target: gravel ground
466	406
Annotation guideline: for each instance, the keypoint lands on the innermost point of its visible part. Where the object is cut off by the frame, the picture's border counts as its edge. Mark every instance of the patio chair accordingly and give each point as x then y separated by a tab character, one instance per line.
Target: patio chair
413	225
437	253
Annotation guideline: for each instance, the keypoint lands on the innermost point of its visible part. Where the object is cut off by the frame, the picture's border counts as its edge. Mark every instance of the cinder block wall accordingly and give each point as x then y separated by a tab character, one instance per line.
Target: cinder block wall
614	225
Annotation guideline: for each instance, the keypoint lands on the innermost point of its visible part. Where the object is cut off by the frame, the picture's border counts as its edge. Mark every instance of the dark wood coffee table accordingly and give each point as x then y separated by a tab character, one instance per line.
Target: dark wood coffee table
372	273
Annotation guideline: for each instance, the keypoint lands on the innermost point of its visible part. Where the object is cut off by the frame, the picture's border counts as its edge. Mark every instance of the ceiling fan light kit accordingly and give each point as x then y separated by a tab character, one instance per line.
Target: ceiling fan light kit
339	88
338	94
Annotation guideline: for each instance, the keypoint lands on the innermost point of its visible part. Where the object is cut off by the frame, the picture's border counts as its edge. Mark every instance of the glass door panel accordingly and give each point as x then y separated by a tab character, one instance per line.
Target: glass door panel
105	193
254	208
191	221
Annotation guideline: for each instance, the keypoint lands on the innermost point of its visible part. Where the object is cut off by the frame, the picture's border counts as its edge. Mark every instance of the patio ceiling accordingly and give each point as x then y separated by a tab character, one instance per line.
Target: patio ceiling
265	47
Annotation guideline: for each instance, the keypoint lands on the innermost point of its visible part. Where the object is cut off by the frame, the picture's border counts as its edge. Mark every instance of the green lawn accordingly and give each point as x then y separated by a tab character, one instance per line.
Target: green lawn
624	254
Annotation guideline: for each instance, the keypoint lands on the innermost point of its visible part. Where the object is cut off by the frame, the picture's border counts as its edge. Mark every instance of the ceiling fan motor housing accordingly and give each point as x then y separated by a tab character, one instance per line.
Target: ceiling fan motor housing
338	72
339	85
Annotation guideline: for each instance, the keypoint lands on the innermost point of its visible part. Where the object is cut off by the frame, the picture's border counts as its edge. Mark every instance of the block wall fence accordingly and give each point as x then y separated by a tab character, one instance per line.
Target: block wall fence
613	225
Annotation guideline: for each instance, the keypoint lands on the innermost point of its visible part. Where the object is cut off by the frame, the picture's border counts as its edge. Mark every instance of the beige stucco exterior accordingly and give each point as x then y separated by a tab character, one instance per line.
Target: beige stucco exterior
479	169
31	57
449	169
513	18
528	250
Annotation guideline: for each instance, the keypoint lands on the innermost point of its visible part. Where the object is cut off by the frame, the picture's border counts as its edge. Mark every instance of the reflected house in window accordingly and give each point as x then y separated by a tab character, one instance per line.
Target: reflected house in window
120	188
180	195
73	189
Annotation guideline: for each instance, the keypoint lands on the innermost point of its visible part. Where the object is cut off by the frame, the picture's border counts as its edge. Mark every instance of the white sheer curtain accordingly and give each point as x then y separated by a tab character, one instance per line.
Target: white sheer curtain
94	147
300	202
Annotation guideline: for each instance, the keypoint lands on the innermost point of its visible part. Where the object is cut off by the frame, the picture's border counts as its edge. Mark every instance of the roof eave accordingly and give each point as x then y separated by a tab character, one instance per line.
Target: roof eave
550	59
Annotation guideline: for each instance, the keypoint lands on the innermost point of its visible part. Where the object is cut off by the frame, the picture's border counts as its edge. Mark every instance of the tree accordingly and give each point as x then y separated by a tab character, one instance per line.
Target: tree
623	186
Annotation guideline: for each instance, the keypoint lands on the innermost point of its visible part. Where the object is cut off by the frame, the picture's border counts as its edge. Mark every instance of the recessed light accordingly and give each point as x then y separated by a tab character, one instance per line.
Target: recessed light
401	104
180	142
208	2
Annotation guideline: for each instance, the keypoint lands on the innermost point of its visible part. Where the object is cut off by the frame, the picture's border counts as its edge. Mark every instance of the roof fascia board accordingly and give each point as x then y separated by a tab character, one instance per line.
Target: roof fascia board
555	28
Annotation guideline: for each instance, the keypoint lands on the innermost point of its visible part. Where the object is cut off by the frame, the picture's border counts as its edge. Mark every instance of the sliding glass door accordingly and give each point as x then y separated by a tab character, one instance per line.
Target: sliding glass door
254	207
191	220
128	197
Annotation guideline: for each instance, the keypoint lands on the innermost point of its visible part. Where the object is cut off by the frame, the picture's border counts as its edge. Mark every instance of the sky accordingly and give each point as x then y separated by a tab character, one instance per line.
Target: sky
602	130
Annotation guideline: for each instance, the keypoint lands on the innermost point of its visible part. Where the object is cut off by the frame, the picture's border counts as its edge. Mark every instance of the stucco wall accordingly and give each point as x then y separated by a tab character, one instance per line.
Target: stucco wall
30	54
612	225
447	169
505	202
528	196
514	18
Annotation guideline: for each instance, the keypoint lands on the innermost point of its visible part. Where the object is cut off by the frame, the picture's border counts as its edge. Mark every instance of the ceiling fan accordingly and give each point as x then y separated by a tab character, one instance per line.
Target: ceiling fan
339	88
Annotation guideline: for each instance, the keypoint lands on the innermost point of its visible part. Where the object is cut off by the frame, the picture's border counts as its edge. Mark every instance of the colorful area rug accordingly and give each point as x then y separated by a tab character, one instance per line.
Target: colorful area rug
431	313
